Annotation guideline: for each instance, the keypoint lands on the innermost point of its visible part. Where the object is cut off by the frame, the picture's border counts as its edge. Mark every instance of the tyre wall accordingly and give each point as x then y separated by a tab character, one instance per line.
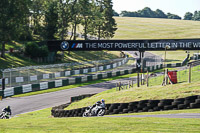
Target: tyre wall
189	102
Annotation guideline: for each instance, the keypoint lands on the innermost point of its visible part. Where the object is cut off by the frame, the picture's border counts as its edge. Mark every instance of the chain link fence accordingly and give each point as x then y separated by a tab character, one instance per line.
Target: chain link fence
182	75
35	74
152	60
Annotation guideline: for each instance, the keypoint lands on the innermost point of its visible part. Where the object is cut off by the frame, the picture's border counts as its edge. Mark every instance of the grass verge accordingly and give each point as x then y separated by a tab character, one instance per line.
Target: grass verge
42	122
154	92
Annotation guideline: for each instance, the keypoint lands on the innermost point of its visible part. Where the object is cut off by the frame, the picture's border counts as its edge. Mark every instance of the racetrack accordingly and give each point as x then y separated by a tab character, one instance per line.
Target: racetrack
47	100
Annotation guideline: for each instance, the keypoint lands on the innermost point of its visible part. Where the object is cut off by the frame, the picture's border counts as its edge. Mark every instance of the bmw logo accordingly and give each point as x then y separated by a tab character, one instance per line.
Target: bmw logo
64	45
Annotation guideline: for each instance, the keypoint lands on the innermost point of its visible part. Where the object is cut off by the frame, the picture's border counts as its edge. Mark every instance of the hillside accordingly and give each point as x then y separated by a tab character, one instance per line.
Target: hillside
153	28
128	28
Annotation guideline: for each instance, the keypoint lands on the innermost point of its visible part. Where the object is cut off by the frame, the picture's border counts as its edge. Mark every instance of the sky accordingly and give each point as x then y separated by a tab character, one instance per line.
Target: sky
178	7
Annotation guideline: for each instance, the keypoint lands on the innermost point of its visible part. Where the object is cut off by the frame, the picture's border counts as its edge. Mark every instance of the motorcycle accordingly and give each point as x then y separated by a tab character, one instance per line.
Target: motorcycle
96	111
4	115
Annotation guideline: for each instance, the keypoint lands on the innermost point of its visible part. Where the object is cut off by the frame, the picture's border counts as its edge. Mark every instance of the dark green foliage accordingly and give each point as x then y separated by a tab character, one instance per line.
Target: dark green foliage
160	14
196	16
173	16
115	13
14	21
188	16
30	19
33	50
51	17
148	13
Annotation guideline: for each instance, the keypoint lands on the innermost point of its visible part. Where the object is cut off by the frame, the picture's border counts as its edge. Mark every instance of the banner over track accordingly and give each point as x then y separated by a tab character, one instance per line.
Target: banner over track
126	45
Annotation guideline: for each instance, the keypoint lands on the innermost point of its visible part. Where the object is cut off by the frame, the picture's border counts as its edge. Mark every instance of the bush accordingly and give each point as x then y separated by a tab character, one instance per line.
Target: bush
33	50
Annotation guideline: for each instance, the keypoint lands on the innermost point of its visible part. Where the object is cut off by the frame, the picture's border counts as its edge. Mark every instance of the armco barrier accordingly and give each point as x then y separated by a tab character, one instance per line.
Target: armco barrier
75	80
189	102
83	70
57	83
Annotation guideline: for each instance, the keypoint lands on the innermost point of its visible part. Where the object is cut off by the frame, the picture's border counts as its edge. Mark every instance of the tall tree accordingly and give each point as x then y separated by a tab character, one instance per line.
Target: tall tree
75	18
173	16
37	11
188	16
63	9
147	12
109	25
115	13
85	6
51	17
13	14
160	14
196	16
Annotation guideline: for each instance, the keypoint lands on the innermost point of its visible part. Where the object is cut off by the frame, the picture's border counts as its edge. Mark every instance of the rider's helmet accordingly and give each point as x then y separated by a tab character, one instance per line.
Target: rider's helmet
102	101
8	107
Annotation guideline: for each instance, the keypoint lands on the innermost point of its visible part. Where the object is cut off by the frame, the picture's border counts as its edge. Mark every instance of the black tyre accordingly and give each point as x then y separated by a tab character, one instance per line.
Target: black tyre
195	105
107	106
101	112
124	105
168	107
145	109
114	106
107	112
179	100
130	108
156	108
166	101
161	104
188	102
150	110
125	110
133	104
182	106
197	101
192	97
135	110
140	107
115	111
143	101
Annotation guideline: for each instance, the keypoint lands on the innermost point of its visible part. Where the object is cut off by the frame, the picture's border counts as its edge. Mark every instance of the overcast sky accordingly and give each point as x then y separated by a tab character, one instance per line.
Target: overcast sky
179	7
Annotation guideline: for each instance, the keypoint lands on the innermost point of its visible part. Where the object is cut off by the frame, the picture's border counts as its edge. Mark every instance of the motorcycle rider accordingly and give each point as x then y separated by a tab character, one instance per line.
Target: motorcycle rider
7	110
99	103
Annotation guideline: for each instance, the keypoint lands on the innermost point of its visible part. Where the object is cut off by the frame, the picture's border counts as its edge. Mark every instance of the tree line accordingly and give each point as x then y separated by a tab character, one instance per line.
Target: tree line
53	19
148	13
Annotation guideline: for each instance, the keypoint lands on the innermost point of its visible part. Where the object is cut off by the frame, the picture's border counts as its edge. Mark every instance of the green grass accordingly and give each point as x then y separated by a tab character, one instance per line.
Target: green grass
173	56
154	92
142	93
13	60
42	122
128	28
153	28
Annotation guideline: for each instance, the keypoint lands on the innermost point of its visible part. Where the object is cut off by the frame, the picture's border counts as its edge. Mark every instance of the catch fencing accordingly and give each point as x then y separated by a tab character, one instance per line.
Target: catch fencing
184	74
152	60
36	74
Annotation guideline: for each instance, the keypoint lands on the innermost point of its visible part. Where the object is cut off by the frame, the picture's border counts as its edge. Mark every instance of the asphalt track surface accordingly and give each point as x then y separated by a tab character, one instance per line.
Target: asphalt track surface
37	102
